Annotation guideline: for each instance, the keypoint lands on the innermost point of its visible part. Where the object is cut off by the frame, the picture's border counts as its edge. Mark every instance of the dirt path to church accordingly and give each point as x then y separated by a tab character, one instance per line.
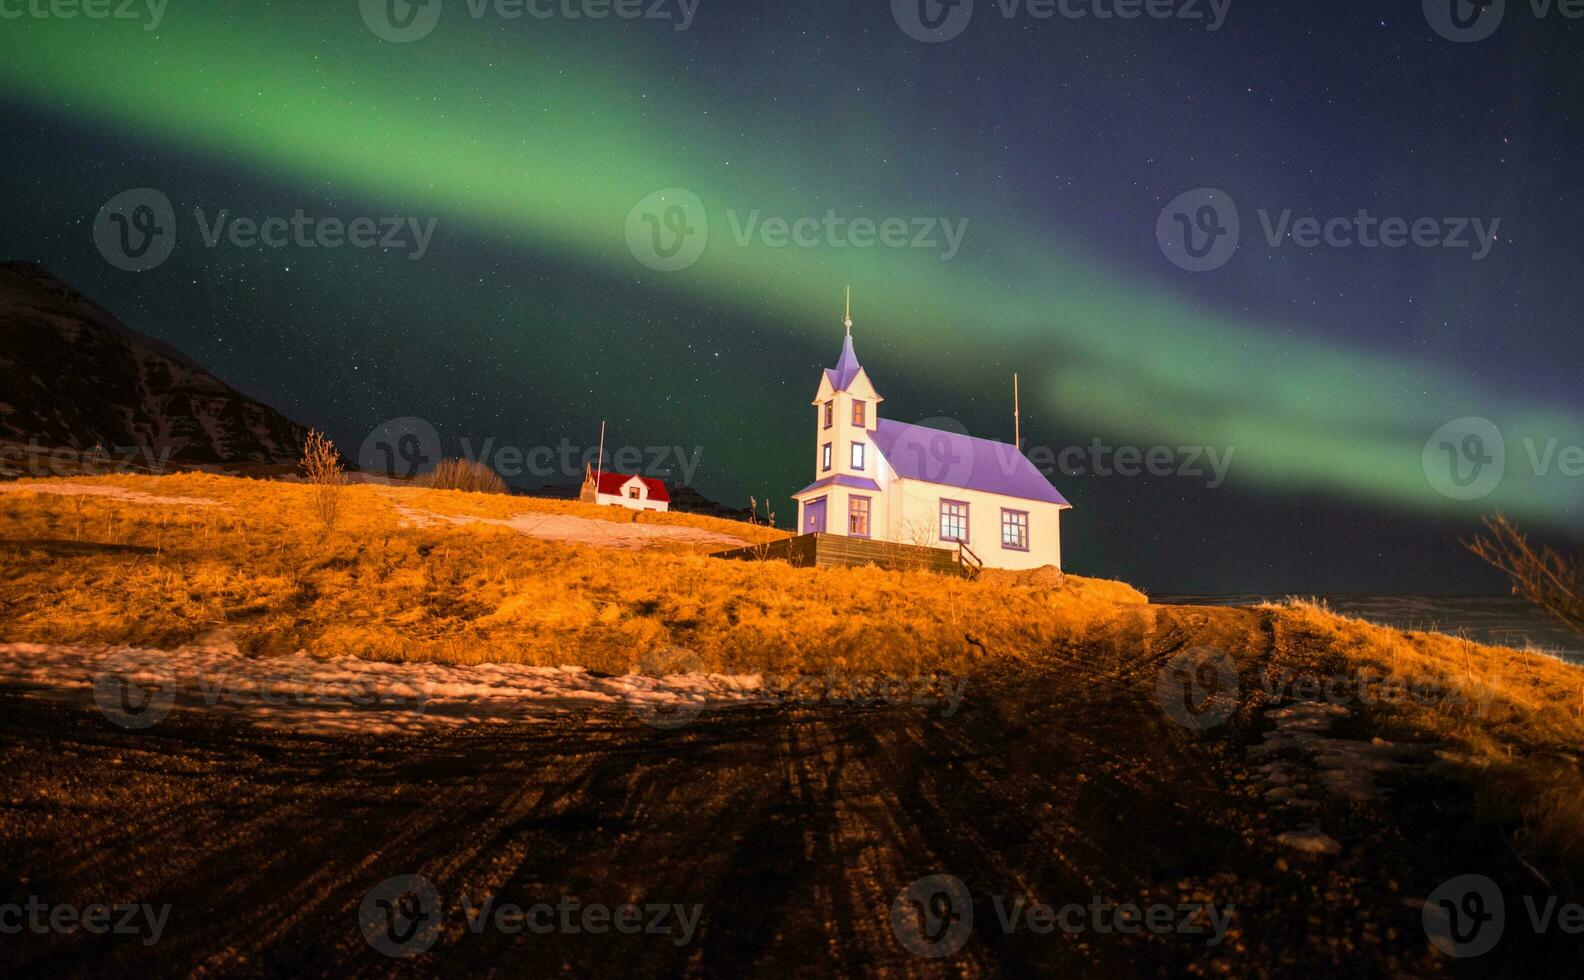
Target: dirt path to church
579	530
768	840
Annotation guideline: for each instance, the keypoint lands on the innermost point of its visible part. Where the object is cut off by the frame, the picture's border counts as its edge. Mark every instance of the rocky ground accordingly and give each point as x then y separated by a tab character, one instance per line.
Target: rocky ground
834	832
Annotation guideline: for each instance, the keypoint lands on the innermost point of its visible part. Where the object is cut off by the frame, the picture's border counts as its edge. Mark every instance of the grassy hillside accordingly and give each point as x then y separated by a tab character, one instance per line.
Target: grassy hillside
152	561
397	579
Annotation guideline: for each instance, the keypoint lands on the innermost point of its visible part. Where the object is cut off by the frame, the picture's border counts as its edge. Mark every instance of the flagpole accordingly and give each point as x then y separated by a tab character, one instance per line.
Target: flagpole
1017	416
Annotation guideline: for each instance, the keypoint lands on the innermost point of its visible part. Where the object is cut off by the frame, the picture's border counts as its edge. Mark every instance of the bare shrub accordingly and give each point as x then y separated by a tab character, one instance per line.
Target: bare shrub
761	549
920	533
1539	573
321	468
463	474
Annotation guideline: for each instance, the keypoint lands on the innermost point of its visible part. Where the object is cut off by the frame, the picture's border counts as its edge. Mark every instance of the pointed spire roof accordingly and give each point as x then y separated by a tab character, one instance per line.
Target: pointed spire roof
847	366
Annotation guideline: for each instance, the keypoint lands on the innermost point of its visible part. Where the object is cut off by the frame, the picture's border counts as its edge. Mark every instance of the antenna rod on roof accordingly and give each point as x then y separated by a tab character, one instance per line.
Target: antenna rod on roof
599	464
847	317
1017	416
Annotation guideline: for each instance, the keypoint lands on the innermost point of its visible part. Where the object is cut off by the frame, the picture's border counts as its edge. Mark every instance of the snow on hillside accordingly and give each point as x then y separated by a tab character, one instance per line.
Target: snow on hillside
138	687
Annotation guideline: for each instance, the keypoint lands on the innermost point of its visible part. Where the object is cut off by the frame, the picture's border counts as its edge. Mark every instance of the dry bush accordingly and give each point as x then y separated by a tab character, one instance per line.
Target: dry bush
1541	574
463	474
321	468
761	549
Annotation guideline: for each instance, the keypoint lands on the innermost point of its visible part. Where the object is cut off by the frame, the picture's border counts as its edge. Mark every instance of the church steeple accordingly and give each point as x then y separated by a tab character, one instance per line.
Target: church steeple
847	366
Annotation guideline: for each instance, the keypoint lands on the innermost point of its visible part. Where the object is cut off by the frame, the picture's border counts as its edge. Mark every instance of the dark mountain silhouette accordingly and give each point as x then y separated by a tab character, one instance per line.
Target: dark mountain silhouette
73	376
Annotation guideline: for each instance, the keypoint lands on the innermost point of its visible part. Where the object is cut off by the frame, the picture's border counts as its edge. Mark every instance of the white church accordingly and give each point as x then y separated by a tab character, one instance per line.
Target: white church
884	480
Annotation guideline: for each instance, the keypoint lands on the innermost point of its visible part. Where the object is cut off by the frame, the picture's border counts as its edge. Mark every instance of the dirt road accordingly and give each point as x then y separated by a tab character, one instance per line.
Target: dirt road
769	840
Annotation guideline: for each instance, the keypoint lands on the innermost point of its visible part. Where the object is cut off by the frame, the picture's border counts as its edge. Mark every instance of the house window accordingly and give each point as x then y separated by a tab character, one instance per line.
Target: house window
858	516
857	455
830	413
858	413
825	457
632	493
953	520
1014	530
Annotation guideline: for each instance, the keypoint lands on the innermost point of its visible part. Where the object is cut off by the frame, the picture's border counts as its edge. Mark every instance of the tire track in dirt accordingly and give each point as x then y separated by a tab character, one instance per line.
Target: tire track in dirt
1058	780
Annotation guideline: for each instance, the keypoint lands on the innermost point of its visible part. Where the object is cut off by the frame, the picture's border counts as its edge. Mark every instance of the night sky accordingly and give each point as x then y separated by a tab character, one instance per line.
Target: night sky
558	158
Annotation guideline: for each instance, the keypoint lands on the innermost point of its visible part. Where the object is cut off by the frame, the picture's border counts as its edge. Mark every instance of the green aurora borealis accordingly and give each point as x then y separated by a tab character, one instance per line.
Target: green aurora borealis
552	148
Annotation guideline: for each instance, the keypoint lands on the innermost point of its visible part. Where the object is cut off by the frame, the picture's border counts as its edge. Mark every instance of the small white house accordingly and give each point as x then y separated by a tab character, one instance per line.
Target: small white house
621	490
875	478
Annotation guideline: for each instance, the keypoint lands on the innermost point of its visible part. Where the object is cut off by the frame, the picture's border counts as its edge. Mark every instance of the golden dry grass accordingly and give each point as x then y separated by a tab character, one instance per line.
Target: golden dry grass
462	474
101	569
1513	719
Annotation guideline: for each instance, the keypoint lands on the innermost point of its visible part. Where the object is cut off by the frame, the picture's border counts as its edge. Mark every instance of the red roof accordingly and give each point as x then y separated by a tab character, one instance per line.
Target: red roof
612	483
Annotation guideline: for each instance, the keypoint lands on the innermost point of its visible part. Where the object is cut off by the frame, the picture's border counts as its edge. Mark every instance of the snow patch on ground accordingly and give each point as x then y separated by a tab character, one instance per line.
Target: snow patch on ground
1301	753
138	687
101	490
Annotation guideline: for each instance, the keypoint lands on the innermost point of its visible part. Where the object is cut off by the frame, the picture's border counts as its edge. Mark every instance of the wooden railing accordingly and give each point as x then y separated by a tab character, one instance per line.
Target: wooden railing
970	562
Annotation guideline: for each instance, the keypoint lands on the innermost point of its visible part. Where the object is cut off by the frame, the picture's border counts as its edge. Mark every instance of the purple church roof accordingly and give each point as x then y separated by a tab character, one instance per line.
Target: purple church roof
957	460
846	369
842	480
